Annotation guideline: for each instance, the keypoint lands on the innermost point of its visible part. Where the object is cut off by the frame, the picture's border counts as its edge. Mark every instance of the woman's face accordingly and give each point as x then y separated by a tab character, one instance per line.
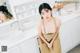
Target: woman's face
46	13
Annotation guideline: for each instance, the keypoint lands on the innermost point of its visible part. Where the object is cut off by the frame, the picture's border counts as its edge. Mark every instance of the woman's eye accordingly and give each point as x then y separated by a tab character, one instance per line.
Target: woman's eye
46	10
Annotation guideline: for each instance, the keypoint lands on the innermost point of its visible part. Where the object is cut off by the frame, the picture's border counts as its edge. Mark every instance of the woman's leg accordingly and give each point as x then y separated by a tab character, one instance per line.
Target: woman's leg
43	47
57	46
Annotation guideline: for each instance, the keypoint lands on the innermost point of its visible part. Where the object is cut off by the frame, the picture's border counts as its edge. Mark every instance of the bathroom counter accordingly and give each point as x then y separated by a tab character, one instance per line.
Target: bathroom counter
15	37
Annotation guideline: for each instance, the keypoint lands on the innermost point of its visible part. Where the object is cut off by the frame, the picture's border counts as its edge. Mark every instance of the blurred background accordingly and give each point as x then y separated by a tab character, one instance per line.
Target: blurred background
20	34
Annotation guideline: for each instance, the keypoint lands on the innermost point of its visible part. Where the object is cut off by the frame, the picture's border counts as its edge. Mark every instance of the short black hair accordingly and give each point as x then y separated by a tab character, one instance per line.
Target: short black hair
44	6
5	11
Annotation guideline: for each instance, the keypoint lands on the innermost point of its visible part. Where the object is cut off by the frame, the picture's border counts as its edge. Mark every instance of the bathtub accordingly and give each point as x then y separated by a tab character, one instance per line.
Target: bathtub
25	41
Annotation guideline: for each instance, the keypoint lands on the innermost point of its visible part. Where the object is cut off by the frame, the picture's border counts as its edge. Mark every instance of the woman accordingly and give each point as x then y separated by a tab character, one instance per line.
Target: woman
48	30
4	14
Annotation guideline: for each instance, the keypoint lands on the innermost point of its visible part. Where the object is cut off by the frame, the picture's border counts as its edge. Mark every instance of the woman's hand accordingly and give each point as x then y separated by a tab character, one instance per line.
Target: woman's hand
49	45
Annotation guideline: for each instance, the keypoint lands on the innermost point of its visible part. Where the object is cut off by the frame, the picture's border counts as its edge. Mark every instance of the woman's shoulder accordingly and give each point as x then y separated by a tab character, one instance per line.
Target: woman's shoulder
39	26
57	20
39	23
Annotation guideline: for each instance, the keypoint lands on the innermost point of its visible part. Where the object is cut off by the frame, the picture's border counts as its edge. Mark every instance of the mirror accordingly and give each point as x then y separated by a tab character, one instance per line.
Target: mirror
5	12
66	6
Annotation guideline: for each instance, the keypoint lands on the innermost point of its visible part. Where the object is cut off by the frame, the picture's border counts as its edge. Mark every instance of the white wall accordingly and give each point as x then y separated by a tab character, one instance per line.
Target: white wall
2	2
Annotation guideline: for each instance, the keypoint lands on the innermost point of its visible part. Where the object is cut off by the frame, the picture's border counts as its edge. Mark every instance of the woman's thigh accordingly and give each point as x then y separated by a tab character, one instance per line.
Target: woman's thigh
57	46
43	47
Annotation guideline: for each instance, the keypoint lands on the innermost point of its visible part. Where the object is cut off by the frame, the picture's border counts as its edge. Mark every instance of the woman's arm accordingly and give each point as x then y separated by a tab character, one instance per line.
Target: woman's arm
58	24
40	34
